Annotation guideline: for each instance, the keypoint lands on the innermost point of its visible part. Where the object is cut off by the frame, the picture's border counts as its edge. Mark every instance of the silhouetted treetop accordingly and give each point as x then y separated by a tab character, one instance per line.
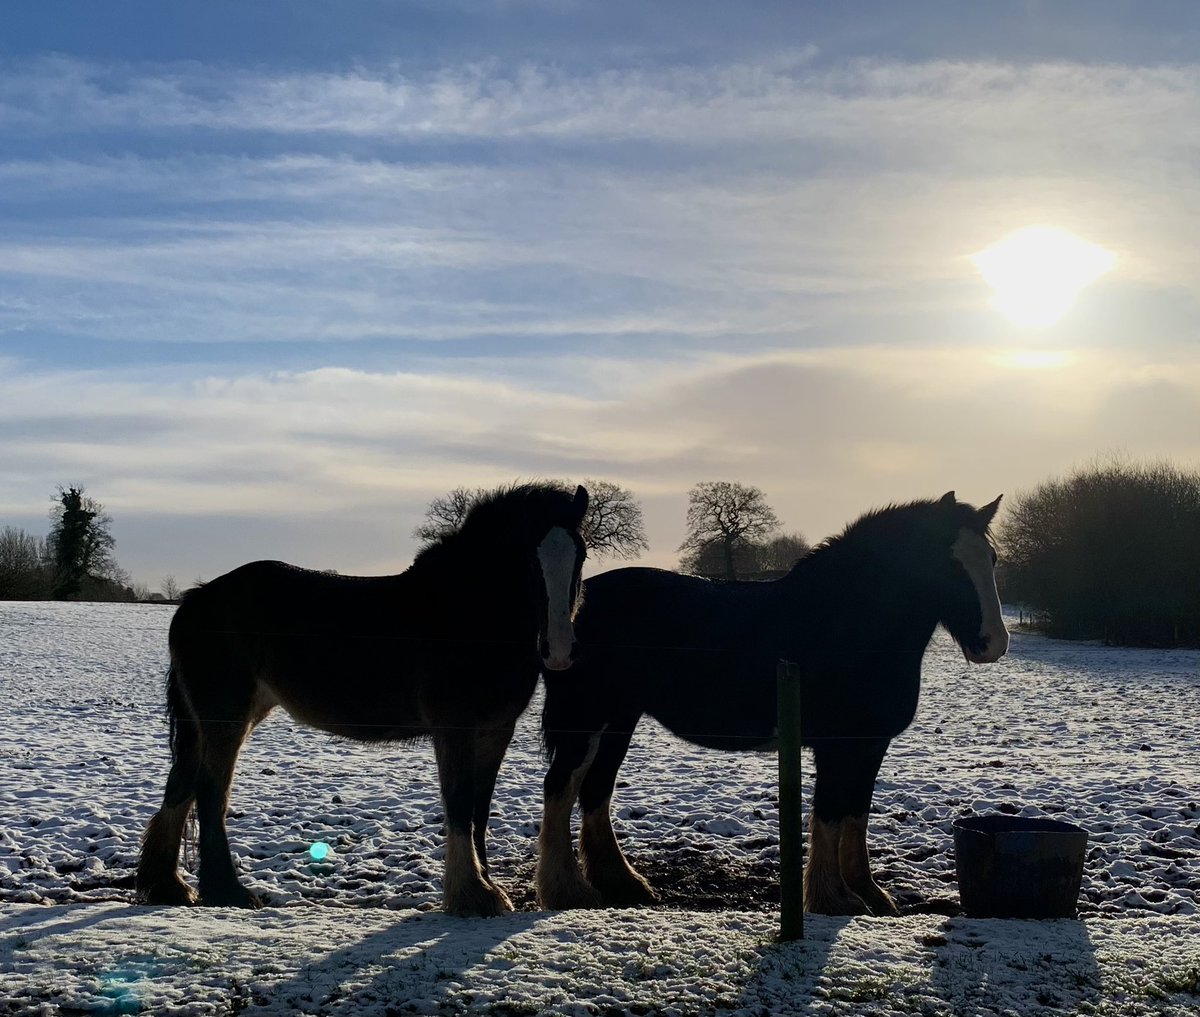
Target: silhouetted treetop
613	526
1111	552
728	516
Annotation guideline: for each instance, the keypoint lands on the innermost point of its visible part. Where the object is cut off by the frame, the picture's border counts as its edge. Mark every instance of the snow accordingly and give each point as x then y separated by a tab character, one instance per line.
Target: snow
1106	738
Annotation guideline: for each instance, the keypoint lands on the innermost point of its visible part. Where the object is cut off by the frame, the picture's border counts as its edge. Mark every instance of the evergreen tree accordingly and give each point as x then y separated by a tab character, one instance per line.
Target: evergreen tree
80	543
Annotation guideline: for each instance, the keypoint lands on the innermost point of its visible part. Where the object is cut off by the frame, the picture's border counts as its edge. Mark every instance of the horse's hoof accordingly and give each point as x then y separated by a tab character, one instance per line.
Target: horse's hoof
172	893
580	896
630	892
478	900
619	883
879	901
845	902
567	894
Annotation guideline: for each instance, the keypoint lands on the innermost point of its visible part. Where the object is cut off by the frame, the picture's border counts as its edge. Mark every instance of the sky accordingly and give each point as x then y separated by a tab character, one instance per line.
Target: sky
275	275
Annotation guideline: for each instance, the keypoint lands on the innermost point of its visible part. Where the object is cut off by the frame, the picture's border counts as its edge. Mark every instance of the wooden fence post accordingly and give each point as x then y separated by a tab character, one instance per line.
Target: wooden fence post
791	826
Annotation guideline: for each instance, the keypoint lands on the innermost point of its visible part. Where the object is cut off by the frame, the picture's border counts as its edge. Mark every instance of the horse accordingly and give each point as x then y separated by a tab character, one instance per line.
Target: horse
450	649
700	656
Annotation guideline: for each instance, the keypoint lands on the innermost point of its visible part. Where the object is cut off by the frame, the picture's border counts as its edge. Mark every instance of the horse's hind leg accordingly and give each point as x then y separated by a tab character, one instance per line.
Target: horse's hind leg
837	878
604	864
225	700
158	879
560	881
466	890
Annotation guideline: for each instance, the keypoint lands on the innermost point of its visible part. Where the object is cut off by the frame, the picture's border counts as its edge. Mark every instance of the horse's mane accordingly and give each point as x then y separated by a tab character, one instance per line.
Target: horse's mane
513	503
879	528
503	510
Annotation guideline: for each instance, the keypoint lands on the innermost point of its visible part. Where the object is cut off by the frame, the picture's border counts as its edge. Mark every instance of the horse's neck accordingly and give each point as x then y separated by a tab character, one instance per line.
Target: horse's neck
490	583
856	606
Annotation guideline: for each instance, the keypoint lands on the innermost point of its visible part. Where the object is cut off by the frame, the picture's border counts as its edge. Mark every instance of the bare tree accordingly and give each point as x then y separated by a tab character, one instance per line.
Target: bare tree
23	571
170	588
780	553
751	559
613	526
729	515
710	560
446	514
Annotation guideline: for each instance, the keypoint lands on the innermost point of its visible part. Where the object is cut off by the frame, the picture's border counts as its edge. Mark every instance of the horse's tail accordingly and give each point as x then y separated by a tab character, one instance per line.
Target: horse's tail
184	742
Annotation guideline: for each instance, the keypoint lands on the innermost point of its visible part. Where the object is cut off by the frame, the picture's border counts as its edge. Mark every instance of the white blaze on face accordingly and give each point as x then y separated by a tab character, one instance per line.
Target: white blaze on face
556	554
975	554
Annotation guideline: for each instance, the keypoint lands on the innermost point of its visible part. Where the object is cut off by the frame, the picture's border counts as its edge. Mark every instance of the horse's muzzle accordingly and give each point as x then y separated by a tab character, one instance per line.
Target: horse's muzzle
986	649
558	663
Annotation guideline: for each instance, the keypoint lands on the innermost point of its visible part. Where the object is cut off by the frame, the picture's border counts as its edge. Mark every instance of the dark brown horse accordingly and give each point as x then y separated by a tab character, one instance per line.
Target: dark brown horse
449	649
856	614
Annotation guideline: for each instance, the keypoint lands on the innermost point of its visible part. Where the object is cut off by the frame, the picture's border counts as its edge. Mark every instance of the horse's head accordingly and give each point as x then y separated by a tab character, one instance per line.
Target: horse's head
970	605
559	567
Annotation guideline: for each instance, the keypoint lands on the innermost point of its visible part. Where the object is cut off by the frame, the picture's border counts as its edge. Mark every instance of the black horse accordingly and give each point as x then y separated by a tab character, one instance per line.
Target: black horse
856	614
451	648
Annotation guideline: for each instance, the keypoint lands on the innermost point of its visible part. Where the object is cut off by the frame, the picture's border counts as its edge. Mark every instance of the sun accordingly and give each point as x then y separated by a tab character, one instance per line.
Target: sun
1038	272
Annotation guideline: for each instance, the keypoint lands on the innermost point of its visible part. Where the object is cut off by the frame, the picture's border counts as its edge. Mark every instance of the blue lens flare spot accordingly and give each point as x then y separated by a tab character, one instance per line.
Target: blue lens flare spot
319	851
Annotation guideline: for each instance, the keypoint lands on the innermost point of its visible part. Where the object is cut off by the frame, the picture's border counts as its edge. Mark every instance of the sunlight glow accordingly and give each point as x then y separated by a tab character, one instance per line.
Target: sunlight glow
1035	360
1038	272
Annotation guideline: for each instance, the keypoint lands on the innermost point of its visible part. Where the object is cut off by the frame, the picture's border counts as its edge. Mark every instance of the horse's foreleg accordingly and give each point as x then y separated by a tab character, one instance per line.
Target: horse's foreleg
490	746
465	888
825	891
604	864
560	881
837	877
856	867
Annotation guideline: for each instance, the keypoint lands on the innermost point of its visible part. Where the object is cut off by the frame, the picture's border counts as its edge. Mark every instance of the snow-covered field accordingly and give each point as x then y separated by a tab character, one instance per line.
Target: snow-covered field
1102	737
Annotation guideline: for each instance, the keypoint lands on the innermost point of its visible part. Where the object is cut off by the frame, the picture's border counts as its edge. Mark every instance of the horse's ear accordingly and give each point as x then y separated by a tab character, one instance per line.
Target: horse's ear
988	512
948	500
579	505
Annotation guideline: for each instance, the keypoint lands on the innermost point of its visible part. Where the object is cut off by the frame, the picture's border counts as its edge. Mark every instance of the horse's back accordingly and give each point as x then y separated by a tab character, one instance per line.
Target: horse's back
278	634
648	607
678	647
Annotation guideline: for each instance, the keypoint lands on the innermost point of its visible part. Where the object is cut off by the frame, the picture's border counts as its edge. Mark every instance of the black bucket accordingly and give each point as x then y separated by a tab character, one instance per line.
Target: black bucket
1013	867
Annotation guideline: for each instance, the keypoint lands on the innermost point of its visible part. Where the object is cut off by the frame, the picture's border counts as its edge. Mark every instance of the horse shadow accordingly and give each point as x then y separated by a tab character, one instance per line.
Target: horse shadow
27	927
418	962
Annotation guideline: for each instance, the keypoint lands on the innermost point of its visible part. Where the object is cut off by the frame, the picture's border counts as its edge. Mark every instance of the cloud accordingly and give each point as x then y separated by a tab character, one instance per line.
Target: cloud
778	198
391	282
826	433
787	96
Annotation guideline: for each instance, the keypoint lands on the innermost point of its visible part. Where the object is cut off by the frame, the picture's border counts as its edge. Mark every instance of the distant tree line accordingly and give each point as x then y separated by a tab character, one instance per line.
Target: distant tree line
1110	552
75	561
